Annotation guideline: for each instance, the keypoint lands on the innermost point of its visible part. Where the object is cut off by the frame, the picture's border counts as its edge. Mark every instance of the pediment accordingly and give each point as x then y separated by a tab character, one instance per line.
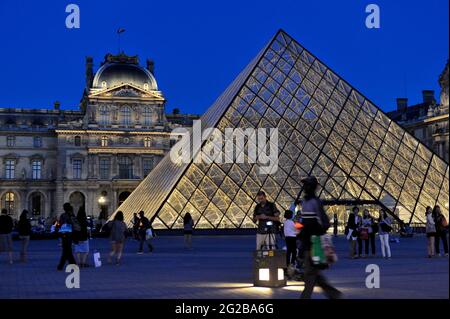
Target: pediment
126	91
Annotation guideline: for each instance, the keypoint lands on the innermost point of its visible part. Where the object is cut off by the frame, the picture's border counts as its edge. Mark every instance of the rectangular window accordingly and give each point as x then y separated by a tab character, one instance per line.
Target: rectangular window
147	141
76	168
10	166
125	168
104	141
37	141
147	165
104	168
36	167
10	141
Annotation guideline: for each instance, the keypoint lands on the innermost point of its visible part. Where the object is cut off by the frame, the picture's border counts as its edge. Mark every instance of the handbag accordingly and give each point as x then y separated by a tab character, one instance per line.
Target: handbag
149	234
317	254
364	233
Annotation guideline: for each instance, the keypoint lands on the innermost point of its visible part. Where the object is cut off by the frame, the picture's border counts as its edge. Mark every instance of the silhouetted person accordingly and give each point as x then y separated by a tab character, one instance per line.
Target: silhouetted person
6	227
117	237
144	225
24	228
441	231
266	214
66	220
188	225
315	222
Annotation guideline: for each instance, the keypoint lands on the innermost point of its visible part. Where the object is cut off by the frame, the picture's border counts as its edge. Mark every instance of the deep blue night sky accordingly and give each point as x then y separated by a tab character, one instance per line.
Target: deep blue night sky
200	46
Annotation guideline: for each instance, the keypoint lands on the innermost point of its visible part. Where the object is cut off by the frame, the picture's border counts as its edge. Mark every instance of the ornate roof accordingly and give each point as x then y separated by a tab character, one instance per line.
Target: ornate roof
123	69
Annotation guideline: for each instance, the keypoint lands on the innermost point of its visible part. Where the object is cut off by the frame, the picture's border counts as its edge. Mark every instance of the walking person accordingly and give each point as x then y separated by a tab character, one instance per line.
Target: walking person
24	228
369	223
430	229
441	230
144	225
384	223
81	238
135	226
335	224
352	232
188	225
117	237
6	228
266	214
315	222
67	221
290	236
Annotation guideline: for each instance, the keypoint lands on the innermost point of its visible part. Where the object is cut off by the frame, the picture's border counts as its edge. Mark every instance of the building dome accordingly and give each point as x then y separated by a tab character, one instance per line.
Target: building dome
122	69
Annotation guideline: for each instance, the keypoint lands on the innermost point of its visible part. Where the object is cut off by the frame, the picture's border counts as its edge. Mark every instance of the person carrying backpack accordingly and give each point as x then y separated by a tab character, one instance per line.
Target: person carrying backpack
441	230
315	222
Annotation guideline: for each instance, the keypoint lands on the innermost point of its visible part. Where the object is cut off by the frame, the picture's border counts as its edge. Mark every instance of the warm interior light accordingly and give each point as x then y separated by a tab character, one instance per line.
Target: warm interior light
280	274
264	274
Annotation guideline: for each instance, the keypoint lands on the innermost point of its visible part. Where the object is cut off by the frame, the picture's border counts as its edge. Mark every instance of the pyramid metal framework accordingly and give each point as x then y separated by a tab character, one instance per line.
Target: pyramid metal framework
326	129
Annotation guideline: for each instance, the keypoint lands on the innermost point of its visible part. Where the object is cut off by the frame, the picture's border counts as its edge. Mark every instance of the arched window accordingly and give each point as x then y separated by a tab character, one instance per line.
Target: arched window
104	84
104	141
8	202
147	116
147	141
146	86
77	140
125	116
103	115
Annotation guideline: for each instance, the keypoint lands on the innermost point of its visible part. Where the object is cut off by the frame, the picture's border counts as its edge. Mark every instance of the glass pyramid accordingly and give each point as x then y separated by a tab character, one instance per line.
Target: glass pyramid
326	129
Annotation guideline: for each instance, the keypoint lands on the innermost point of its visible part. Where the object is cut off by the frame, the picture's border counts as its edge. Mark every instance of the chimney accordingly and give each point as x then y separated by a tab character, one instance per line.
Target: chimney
402	103
428	96
89	71
56	105
151	66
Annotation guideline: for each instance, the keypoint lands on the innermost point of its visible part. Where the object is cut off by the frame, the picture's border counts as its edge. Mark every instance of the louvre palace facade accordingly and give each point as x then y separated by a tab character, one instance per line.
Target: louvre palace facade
94	156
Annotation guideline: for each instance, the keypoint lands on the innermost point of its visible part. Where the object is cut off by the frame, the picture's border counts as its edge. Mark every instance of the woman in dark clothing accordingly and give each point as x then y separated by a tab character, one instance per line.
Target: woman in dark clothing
368	223
188	224
66	221
315	222
353	228
24	228
81	238
441	231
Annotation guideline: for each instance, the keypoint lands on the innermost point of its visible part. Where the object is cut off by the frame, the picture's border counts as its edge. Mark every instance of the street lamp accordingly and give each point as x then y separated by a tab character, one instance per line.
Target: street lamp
102	200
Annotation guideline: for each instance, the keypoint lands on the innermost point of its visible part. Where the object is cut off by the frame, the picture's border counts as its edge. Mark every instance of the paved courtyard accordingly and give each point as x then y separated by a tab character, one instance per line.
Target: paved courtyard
218	267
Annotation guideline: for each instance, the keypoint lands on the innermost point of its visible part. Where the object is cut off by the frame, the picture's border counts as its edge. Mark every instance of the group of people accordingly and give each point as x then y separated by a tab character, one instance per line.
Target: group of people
6	229
363	228
436	229
314	221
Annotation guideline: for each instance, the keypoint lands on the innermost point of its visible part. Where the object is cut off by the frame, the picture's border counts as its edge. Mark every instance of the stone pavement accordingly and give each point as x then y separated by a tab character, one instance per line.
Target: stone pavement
217	267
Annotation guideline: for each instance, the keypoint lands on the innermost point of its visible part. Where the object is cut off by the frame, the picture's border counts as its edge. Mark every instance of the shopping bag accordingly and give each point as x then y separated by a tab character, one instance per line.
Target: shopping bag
328	249
97	259
317	253
149	234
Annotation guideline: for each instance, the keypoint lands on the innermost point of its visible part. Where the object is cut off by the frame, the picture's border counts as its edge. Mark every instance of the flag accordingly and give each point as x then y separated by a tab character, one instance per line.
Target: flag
120	30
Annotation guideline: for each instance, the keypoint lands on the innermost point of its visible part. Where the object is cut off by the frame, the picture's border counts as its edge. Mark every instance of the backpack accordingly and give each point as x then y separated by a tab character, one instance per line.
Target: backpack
441	222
